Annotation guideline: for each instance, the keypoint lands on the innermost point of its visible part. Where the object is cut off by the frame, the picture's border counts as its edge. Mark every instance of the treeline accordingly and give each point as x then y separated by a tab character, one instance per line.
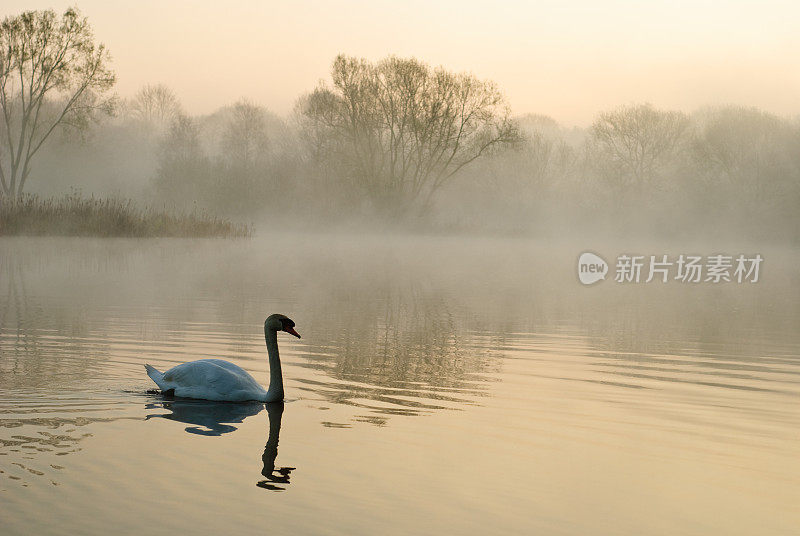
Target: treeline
397	142
721	171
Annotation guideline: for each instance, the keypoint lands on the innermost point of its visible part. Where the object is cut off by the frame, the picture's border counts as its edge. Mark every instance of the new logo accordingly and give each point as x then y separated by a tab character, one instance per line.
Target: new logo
591	268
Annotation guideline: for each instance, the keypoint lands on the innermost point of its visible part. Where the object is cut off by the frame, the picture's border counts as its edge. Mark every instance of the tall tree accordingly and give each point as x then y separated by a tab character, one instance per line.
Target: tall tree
183	170
52	74
399	130
155	105
748	150
633	143
245	140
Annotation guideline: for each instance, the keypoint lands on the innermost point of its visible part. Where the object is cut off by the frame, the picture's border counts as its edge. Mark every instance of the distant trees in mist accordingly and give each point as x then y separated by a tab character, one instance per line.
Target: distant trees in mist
725	170
633	145
155	105
397	130
748	151
635	169
239	160
392	140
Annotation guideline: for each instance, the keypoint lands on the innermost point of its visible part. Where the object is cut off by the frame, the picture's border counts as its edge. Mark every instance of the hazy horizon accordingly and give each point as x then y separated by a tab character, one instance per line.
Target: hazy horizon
566	62
548	288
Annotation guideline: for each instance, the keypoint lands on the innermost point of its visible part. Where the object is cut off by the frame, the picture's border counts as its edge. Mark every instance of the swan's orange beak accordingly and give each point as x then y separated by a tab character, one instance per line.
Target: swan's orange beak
287	329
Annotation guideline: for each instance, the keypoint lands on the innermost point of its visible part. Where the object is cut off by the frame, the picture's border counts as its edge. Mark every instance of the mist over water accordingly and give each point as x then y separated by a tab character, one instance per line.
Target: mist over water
477	354
466	381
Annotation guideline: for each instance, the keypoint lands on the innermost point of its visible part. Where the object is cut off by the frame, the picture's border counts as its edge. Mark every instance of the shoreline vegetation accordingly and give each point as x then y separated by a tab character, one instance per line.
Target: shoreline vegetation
76	215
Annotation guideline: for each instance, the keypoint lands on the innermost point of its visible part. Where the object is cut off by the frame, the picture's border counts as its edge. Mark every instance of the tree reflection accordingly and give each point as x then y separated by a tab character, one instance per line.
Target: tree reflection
395	347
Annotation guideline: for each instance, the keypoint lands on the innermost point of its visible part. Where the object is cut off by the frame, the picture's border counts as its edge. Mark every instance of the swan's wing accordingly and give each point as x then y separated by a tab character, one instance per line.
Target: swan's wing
228	372
211	379
195	373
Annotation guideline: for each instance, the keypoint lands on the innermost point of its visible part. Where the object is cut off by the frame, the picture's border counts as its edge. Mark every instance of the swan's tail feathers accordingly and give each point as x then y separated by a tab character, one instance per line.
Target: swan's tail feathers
155	375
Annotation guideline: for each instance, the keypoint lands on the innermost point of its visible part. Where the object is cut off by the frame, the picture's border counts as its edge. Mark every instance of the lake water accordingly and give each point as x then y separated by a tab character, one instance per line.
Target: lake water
442	386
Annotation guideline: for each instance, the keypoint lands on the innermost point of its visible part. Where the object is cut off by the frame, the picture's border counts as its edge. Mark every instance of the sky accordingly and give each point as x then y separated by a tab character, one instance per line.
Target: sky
569	60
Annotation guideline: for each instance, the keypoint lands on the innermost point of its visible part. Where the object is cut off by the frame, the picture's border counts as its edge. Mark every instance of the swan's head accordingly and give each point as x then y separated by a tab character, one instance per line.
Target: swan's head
279	322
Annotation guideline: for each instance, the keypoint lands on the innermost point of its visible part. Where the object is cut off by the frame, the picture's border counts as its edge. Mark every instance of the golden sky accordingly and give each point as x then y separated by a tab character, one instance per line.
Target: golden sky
565	59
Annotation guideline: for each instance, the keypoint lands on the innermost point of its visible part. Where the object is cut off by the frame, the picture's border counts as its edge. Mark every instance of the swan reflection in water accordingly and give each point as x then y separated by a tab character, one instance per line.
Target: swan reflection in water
275	477
216	418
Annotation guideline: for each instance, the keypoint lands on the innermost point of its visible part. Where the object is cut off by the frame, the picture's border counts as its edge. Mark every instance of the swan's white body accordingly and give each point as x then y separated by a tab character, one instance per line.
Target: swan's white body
210	379
215	379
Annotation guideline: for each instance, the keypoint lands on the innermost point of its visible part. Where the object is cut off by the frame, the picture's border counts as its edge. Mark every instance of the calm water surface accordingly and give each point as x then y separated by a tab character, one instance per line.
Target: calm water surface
442	386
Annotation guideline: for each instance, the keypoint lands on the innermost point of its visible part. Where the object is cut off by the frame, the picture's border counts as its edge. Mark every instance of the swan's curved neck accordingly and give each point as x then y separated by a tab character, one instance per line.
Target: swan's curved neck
275	391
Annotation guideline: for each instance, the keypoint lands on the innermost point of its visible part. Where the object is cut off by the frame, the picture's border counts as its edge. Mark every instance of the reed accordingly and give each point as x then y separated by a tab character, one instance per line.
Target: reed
76	215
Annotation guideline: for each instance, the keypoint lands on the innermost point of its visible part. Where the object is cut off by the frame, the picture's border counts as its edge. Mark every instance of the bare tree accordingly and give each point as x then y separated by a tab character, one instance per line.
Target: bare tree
155	105
746	149
399	130
245	140
183	170
51	75
632	143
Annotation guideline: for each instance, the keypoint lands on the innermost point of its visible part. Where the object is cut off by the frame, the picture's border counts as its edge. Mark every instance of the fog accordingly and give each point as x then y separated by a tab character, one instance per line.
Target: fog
433	360
621	120
720	171
407	218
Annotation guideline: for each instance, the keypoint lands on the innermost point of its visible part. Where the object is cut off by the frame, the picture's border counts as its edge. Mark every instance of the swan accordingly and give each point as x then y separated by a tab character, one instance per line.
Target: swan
215	379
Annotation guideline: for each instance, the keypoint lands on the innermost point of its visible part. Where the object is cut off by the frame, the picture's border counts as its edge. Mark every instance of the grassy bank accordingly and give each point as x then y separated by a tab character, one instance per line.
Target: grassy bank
75	215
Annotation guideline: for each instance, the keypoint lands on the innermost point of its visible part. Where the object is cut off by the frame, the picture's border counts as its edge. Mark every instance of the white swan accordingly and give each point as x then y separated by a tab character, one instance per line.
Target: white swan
215	379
